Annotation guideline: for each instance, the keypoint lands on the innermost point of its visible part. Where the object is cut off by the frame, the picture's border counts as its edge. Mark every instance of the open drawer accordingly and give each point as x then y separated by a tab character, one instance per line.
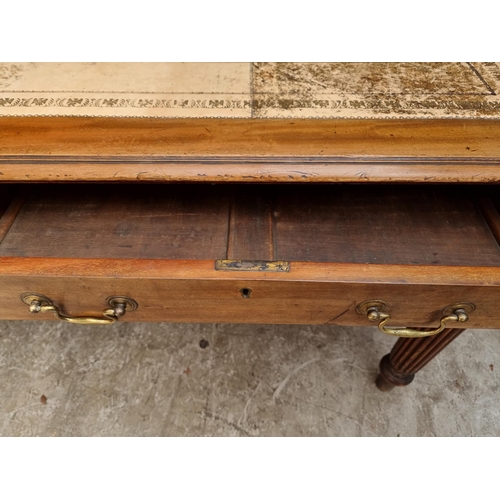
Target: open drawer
251	254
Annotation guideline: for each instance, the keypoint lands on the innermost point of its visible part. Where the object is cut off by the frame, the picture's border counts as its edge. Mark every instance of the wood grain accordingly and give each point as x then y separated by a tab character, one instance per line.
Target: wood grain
266	171
363	224
465	276
122	222
212	150
251	225
194	291
382	224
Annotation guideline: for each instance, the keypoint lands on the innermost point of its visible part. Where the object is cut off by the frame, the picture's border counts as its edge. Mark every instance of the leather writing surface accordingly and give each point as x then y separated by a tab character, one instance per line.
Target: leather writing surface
251	90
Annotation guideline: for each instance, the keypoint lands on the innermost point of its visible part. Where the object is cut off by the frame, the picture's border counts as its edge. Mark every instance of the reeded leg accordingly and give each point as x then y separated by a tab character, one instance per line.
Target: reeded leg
408	356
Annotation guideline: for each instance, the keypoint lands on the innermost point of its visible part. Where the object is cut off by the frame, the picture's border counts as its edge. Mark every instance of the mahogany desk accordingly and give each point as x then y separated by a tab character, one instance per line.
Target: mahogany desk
357	207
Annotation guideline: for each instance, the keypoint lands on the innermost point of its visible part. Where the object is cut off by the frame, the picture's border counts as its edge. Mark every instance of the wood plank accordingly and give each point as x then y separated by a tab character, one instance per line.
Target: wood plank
212	150
194	291
157	138
123	222
382	225
298	171
465	276
251	225
364	224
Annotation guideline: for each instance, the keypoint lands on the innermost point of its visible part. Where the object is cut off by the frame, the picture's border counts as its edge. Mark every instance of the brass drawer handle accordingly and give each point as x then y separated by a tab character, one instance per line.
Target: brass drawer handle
118	306
373	309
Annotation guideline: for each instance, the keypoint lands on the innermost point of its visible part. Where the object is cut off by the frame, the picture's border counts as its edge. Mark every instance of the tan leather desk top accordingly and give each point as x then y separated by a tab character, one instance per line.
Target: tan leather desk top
251	90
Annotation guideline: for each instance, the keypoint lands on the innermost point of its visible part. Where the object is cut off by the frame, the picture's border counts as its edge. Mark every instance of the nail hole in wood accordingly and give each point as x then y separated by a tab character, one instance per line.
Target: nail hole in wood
245	293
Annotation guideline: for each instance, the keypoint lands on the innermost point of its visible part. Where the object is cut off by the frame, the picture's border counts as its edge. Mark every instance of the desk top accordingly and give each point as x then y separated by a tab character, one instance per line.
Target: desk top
242	122
251	90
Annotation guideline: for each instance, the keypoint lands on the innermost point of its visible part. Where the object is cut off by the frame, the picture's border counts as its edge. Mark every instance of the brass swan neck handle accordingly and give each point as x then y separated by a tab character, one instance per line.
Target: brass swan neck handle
118	306
374	310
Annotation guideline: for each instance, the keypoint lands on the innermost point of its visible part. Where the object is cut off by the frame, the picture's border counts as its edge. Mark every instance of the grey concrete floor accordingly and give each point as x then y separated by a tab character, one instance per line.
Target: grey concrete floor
138	379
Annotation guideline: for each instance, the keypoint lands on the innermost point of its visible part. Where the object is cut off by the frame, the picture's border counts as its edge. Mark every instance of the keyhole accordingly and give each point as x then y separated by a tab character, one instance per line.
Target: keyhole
245	293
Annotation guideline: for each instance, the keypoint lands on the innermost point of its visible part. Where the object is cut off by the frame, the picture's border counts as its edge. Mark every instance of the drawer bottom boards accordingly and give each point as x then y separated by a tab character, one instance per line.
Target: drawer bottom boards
308	254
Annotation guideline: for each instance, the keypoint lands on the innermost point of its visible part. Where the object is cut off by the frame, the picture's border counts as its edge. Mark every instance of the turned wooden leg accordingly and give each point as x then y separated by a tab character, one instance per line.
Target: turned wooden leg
408	356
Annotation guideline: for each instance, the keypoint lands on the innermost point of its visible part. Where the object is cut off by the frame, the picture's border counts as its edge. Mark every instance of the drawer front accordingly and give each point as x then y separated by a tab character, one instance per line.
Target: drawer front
416	250
193	291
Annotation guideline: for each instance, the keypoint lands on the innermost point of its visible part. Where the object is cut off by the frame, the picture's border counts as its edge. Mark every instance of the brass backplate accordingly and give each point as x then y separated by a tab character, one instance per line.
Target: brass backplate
113	301
252	265
363	308
29	297
466	306
131	304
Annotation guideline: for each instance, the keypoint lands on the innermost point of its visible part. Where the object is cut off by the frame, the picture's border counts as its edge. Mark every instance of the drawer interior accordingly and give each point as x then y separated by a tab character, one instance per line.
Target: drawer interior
372	224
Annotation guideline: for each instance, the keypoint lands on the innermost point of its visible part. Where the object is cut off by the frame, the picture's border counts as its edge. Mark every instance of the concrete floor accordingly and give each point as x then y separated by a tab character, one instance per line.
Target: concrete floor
138	379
